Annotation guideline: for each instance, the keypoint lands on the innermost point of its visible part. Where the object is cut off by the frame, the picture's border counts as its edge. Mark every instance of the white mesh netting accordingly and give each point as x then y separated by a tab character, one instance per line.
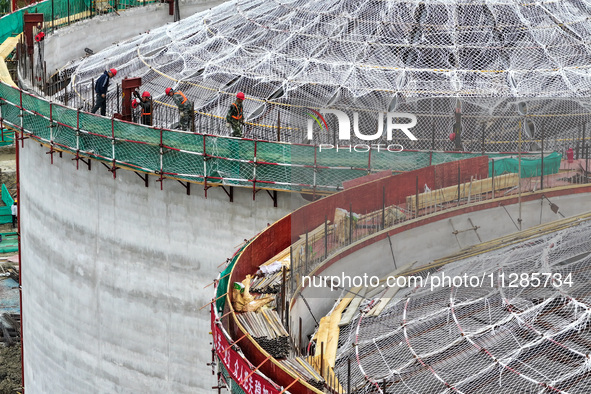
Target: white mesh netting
372	56
499	338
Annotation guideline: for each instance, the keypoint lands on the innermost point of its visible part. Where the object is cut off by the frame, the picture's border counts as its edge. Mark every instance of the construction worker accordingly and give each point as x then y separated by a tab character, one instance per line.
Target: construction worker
14	212
235	116
145	103
101	87
185	107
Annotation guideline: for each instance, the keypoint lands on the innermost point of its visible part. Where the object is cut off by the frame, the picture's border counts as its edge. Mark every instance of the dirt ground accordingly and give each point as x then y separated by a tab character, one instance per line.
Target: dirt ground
10	356
10	369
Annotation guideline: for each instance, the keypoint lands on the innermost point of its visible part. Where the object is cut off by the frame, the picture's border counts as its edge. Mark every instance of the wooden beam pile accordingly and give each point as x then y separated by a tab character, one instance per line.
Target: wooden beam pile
9	328
467	190
300	367
265	327
270	284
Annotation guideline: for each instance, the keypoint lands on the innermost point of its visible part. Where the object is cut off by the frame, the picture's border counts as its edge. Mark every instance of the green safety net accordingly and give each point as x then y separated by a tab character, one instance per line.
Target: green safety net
206	158
9	242
220	302
530	166
233	386
5	210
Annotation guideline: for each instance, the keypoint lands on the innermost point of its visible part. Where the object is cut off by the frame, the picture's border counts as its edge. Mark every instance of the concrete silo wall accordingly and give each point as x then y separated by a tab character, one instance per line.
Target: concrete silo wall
113	275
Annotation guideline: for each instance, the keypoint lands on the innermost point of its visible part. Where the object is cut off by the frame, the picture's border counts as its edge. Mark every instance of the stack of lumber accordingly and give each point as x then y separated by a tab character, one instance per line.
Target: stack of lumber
269	284
9	328
265	327
299	367
467	190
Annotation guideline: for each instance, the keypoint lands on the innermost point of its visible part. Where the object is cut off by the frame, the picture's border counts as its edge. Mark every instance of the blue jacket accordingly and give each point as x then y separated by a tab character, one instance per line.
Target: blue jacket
102	84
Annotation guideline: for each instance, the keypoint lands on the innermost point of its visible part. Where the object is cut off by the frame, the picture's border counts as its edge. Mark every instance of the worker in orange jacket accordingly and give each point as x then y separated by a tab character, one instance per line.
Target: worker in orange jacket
235	116
185	107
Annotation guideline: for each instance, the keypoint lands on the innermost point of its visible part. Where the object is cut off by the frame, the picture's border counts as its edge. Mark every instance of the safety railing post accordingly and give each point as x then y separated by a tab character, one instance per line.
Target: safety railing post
22	116
314	173
542	169
278	126
291	272
77	136
204	166
493	177
369	162
483	131
325	237
193	117
350	223
383	207
113	146
51	131
161	158
306	254
459	182
254	171
416	196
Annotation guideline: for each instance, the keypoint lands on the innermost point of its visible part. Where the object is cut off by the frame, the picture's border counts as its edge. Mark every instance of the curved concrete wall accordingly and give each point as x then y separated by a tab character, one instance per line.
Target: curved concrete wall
113	275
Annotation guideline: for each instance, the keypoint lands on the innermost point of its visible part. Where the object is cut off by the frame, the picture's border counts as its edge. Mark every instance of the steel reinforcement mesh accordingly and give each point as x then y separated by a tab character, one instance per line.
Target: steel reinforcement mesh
201	157
517	333
429	58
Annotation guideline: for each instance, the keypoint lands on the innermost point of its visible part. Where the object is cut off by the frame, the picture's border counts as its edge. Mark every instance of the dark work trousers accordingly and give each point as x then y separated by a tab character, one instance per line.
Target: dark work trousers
147	120
14	221
101	102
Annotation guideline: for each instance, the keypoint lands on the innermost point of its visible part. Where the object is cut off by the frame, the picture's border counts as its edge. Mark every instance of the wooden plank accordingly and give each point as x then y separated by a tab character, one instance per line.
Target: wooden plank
448	194
381	304
352	308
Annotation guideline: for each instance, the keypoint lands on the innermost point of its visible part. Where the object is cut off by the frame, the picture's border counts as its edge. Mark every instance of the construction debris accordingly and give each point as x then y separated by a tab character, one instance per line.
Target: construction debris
10	328
243	301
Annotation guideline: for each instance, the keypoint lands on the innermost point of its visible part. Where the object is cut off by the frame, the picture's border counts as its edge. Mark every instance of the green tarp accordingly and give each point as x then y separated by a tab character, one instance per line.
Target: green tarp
223	283
530	167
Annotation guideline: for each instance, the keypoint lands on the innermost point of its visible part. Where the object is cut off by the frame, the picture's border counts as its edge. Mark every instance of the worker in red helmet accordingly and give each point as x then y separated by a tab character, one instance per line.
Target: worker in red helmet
235	116
185	107
101	87
145	103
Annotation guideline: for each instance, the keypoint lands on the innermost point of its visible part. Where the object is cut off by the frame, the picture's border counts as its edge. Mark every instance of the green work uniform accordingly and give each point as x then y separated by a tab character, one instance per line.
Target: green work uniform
235	119
185	108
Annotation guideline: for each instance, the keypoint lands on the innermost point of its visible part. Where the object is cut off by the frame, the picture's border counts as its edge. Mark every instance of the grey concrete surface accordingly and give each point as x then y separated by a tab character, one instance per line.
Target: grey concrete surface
100	32
422	245
113	275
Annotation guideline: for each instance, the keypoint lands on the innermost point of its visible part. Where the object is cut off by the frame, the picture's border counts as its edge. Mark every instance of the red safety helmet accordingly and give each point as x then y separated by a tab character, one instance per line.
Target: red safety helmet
134	103
145	94
240	96
168	90
113	71
452	136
